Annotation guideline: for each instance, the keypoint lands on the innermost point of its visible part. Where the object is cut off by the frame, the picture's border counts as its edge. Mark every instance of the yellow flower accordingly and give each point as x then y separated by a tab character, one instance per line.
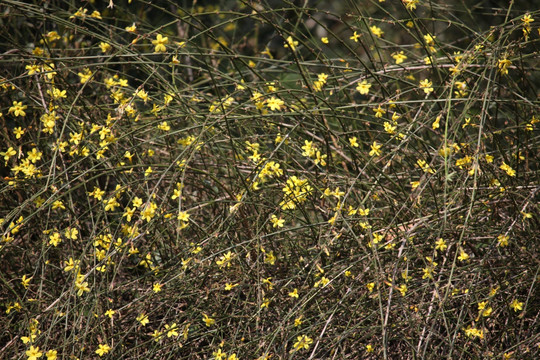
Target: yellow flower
436	123
321	283
376	31
48	68
97	193
440	244
104	47
143	319
33	69
399	57
34	155
55	239
429	39
379	112
225	260
503	65
410	4
277	222
85	75
425	166
375	149
56	93
389	128
353	141
208	320
516	305
25	281
171	330
403	289
148	171
355	37
128	213
229	286
219	354
103	349
137	202
463	255
8	153
309	151
160	43
111	204
96	14
27	339
265	303
81	285
363	212
426	85
363	87
79	13
51	354
18	109
508	169
18	132
268	283
294	293
183	216
70	264
302	342
167	98
274	103
164	126
156	335
270	258
131	28
484	310
527	19
33	353
474	332
142	95
502	240
290	43
324	40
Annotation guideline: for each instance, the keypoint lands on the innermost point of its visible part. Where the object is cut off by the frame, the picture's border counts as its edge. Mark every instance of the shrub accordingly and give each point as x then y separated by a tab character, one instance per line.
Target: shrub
261	180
